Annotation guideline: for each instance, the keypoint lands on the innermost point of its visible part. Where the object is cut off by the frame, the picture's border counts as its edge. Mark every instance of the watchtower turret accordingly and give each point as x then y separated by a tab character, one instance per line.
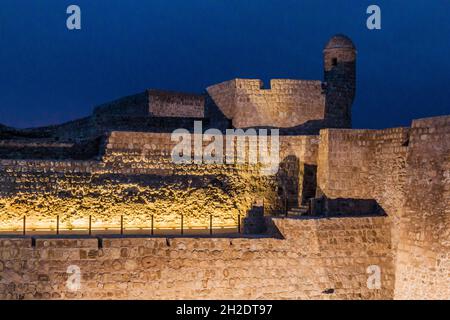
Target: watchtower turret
340	77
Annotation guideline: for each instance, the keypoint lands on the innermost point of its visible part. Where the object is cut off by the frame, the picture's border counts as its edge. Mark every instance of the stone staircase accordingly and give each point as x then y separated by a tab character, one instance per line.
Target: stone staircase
299	211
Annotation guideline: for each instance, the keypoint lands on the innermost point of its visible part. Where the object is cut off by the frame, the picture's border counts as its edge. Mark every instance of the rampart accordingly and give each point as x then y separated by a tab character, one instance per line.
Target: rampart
316	259
406	171
288	103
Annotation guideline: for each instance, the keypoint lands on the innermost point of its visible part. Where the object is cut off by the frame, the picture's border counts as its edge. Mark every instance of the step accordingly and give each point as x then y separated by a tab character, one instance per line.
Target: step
298	211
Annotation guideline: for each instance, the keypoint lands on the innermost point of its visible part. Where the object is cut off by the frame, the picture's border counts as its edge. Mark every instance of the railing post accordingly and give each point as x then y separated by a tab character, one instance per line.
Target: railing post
57	225
90	225
121	225
285	206
24	225
210	224
152	226
182	222
239	223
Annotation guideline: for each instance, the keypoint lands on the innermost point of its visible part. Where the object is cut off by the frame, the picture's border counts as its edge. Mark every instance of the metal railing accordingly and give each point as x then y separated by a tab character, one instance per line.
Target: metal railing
121	228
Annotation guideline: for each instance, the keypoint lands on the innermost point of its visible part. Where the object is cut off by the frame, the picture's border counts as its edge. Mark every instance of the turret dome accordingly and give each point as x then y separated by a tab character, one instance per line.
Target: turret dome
340	41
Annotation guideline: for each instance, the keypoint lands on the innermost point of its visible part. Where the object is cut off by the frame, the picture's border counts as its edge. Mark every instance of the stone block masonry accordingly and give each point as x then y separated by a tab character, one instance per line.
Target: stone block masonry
289	103
136	178
423	262
316	259
156	103
406	170
116	163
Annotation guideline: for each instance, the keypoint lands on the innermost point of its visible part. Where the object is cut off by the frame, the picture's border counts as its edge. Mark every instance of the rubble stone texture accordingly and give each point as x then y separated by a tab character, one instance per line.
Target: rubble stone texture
117	162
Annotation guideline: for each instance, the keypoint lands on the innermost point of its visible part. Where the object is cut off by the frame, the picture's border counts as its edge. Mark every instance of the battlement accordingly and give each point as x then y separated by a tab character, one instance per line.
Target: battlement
257	85
286	104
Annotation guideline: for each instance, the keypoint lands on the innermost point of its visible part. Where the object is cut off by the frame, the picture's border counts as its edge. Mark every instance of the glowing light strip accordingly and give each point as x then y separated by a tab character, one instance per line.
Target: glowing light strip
115	228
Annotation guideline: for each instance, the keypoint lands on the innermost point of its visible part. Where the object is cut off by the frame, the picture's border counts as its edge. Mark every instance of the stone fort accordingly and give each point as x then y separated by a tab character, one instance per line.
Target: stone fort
342	201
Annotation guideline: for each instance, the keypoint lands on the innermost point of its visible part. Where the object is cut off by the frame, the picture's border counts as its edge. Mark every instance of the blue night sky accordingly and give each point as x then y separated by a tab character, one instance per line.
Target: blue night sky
50	74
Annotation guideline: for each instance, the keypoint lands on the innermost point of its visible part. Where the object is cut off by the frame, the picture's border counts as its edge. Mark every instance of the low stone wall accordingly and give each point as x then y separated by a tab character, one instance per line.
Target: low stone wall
316	259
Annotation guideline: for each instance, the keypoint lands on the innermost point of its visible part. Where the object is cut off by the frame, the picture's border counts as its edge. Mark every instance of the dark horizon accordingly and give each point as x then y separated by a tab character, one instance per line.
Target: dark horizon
52	75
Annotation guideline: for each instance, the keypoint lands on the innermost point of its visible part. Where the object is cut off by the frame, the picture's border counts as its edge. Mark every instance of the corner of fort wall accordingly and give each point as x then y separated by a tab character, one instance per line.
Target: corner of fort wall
423	259
406	170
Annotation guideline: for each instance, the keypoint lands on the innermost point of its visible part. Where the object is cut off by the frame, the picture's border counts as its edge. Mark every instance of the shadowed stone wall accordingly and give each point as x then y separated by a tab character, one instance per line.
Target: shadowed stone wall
156	103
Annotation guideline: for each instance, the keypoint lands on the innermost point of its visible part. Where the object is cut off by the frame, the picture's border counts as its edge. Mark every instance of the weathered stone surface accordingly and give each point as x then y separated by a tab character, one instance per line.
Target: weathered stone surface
315	255
117	163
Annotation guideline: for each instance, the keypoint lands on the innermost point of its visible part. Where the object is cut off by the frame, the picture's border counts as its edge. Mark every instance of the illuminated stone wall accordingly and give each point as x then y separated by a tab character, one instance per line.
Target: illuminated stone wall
318	259
423	262
365	164
136	178
406	170
288	103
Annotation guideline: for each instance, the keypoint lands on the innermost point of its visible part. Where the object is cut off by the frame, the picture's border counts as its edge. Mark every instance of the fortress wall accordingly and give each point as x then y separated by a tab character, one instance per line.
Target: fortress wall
424	253
155	103
305	148
223	95
406	171
365	164
169	104
319	259
128	146
359	163
42	190
144	151
136	178
289	103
